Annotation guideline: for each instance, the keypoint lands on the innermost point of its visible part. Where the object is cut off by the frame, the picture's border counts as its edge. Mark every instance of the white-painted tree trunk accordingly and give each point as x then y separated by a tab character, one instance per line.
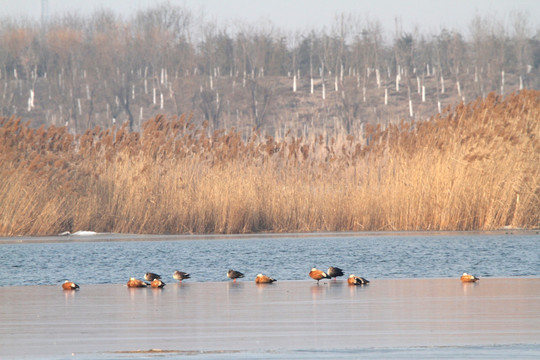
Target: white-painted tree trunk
502	82
442	84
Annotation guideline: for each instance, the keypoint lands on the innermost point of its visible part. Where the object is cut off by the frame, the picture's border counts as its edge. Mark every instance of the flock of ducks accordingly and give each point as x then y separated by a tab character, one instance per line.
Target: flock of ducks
154	280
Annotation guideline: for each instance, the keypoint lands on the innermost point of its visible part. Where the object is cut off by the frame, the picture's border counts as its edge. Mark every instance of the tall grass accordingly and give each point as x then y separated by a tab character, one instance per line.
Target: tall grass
475	167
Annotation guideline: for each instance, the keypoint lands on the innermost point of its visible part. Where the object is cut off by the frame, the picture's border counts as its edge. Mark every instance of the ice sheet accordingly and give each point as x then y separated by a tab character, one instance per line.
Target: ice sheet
244	317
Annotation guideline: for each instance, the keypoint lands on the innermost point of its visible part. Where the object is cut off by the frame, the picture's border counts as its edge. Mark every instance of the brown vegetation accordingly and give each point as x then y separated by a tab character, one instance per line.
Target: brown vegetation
474	167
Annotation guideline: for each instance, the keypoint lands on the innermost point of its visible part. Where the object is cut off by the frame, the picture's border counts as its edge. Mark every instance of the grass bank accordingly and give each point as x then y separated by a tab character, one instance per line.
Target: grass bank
474	167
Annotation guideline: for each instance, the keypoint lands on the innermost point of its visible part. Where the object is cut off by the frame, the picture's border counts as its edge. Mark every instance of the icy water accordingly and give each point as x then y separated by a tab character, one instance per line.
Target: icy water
414	308
112	259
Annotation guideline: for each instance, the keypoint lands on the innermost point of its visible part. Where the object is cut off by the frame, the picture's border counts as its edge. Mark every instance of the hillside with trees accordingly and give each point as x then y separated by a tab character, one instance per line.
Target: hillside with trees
103	70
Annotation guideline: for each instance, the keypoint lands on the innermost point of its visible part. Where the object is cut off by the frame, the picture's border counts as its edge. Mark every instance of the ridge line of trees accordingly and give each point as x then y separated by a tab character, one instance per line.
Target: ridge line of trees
102	69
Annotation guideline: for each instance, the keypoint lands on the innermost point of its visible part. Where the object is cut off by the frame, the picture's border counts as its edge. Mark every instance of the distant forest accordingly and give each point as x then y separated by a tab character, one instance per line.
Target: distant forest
103	69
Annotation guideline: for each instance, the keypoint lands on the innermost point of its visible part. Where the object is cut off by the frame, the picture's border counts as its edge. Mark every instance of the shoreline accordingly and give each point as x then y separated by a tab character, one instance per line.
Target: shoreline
112	237
247	281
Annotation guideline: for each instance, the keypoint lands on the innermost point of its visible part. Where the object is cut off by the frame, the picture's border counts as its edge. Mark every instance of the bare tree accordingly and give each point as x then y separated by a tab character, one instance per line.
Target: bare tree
164	36
521	51
261	99
211	106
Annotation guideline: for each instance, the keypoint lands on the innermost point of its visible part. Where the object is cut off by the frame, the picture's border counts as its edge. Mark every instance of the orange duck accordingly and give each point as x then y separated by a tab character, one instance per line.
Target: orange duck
357	280
136	283
263	279
318	275
469	278
69	285
157	283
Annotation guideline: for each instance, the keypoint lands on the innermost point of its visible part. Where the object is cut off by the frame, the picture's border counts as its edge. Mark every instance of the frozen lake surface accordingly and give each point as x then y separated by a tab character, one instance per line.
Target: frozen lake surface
496	318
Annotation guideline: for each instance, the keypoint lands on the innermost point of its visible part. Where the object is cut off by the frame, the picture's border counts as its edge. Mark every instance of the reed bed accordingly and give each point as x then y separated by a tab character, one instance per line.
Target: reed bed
474	167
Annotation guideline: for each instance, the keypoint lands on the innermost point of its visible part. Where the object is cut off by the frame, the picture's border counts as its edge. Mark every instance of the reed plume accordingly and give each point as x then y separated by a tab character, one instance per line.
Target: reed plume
474	167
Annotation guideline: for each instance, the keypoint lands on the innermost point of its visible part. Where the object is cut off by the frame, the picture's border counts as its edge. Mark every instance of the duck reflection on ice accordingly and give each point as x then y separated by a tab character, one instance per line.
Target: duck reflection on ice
317	290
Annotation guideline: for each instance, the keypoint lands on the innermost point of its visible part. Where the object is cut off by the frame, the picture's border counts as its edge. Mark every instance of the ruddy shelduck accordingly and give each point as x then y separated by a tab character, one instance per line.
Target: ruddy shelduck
469	278
233	274
318	275
69	285
357	280
180	275
136	283
334	272
263	279
157	283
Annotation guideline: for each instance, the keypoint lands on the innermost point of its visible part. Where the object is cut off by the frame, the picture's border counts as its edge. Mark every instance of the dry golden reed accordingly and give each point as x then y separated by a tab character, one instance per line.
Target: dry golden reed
474	167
